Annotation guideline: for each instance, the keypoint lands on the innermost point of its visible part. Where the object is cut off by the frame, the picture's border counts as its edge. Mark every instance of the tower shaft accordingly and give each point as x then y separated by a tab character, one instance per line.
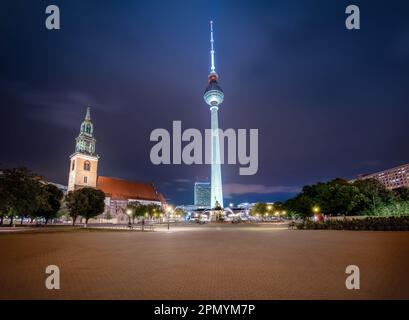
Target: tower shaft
216	178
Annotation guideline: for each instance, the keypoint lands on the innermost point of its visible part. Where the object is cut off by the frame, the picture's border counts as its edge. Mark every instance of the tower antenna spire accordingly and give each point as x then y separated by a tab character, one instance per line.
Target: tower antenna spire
212	67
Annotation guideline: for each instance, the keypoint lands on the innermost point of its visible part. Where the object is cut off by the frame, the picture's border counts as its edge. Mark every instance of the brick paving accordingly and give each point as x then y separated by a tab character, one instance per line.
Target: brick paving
205	262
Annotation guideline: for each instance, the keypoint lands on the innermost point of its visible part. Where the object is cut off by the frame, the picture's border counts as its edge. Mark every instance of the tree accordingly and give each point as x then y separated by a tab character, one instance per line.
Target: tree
76	203
402	193
138	210
20	193
86	202
180	212
153	209
95	203
374	195
337	196
300	205
259	208
52	204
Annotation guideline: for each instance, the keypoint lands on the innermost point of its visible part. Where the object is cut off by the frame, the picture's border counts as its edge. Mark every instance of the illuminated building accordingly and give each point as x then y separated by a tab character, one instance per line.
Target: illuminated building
202	194
84	161
214	97
118	192
391	178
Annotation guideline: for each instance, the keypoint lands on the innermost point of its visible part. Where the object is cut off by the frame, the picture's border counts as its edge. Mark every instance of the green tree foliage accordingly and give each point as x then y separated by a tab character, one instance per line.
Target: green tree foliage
153	210
76	203
21	193
374	195
258	208
139	210
96	203
180	212
86	202
402	193
51	206
338	196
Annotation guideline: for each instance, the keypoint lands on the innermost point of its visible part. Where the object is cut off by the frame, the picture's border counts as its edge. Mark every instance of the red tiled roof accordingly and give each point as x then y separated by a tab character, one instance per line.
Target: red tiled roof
119	189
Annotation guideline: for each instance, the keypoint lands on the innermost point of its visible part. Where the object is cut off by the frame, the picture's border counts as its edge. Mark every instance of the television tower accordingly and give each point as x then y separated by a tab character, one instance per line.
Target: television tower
214	96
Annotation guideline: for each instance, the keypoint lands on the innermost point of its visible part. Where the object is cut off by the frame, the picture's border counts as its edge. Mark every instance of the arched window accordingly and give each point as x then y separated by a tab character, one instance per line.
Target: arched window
73	165
87	165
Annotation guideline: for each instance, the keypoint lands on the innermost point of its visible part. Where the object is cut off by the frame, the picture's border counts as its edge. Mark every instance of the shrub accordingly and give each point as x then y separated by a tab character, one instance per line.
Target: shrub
393	223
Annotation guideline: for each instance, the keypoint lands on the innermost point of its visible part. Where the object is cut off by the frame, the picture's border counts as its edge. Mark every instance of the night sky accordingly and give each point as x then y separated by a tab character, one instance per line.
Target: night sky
328	102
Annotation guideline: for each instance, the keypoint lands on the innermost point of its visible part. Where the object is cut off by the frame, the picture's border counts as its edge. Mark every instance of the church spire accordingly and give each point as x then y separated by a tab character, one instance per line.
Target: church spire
85	142
88	114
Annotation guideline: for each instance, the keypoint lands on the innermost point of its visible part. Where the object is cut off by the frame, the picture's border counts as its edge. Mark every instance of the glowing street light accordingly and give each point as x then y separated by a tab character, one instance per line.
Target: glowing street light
316	209
129	213
169	210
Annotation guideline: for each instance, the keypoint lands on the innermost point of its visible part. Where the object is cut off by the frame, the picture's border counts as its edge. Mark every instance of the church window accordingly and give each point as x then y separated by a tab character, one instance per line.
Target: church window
85	179
73	165
87	166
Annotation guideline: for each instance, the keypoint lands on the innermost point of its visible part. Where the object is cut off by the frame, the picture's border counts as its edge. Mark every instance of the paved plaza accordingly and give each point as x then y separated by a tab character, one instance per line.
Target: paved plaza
205	262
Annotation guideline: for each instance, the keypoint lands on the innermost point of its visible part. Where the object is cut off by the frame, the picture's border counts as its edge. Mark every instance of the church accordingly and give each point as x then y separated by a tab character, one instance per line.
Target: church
118	192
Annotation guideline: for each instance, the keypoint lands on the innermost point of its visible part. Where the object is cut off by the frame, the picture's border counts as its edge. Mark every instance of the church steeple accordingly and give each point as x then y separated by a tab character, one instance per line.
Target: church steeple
87	127
84	161
88	115
85	142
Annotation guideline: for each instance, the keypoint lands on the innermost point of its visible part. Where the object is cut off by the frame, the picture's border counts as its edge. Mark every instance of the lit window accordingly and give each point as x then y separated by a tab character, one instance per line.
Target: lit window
87	165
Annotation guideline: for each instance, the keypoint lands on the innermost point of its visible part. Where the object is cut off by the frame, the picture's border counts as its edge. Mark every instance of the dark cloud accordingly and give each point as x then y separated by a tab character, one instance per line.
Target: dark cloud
327	102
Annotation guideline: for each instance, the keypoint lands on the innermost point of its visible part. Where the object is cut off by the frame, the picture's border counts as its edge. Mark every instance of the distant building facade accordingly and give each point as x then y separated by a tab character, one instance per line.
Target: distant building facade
202	193
391	178
63	188
118	192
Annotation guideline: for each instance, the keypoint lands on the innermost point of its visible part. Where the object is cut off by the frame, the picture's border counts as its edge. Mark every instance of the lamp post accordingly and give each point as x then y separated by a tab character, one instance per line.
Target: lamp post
169	209
316	211
129	213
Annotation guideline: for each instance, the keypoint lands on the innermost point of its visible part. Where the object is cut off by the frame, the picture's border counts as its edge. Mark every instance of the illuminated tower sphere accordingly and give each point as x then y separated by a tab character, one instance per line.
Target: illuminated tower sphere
214	97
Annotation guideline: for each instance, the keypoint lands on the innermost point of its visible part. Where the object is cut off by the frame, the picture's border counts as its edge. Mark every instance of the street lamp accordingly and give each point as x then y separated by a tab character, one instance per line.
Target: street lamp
129	213
169	209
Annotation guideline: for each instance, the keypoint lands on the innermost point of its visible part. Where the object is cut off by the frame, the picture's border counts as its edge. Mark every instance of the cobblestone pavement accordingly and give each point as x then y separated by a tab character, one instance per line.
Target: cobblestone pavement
205	262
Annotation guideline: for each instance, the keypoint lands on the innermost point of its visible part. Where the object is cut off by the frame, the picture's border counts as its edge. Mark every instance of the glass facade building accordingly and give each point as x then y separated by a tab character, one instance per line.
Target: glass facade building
202	194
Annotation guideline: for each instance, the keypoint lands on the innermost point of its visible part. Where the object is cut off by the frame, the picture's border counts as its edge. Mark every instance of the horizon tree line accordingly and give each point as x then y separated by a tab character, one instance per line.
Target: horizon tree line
25	195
